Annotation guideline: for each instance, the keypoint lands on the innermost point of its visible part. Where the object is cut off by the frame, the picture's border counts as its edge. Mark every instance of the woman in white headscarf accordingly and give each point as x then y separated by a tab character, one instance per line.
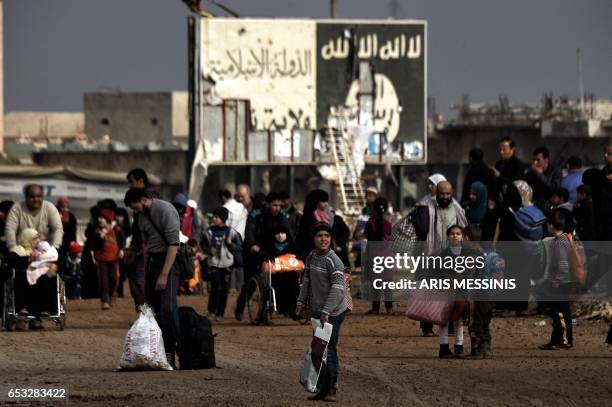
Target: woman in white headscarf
529	220
34	278
526	192
432	183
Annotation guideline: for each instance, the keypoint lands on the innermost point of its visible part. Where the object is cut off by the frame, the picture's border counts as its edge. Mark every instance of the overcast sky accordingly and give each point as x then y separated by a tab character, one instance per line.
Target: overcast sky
57	49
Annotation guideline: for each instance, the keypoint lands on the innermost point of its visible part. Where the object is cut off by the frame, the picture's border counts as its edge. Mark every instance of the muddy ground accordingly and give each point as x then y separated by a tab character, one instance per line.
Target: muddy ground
384	361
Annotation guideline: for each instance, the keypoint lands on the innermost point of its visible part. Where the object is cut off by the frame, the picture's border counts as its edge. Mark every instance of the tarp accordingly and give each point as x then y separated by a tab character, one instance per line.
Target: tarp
31	171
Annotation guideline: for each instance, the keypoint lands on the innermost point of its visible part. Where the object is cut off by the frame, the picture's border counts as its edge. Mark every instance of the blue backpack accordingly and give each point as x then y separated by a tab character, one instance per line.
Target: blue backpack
529	223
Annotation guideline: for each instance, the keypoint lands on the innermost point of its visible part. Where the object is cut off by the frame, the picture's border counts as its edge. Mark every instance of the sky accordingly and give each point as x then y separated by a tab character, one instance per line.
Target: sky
57	50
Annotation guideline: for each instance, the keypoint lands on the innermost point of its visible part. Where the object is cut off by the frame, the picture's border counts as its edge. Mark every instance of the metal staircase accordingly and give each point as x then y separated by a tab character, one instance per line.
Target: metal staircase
348	182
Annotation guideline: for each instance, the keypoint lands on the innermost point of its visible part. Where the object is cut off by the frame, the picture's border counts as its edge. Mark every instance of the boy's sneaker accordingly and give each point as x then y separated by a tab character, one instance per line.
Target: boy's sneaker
445	352
566	346
105	306
372	312
170	357
549	346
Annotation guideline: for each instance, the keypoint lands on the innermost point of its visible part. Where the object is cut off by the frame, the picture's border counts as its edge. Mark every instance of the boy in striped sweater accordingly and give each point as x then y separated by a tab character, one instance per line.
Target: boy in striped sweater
324	293
560	286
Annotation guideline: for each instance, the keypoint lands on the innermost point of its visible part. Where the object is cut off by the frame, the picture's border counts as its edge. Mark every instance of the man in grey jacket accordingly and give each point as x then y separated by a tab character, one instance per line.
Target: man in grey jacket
324	292
159	224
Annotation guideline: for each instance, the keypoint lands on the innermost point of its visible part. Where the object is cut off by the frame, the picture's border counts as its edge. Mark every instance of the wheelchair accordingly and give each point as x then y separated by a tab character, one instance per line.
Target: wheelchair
261	295
10	315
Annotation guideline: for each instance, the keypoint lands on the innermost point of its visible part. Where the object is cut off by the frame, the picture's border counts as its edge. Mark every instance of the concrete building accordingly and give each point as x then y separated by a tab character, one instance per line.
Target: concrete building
136	117
20	127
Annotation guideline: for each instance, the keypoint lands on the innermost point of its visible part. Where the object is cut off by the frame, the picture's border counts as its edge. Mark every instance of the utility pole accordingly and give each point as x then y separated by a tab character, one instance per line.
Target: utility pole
1	78
580	84
393	8
333	8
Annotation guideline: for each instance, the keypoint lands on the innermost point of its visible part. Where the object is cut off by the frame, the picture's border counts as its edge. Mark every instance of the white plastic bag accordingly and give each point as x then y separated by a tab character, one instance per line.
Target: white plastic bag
144	345
316	355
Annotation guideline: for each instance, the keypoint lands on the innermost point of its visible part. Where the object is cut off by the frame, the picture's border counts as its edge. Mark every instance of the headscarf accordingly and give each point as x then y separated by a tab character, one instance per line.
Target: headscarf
477	210
322	215
436	178
525	191
180	199
63	202
312	206
24	246
304	234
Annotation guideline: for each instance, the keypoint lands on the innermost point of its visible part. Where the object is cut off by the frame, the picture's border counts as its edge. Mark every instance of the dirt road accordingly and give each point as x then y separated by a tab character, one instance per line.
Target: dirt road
384	361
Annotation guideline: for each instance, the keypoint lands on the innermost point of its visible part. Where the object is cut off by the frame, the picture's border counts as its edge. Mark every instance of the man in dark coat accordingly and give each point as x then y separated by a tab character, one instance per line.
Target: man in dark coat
509	168
259	234
543	178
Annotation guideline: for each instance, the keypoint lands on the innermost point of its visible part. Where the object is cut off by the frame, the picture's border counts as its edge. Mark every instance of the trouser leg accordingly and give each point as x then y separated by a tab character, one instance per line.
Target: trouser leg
103	280
136	277
333	363
163	301
223	290
557	334
213	298
567	323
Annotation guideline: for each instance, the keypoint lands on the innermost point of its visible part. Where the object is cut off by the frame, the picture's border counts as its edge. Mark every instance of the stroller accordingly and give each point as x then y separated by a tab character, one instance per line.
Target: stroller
10	315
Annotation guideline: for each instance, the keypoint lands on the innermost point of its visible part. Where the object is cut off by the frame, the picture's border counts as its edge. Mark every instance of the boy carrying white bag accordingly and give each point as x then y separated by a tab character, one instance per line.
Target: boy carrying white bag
144	345
323	296
316	355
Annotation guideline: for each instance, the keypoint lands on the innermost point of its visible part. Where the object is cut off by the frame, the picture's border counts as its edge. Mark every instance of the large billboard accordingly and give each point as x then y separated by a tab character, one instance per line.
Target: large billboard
291	71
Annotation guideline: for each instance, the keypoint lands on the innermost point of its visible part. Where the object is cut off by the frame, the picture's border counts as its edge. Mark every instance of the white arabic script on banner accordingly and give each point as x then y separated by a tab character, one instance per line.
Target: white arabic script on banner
273	64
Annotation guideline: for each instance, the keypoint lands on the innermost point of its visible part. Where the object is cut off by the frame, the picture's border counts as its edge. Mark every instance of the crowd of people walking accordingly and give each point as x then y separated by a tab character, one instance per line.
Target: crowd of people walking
139	242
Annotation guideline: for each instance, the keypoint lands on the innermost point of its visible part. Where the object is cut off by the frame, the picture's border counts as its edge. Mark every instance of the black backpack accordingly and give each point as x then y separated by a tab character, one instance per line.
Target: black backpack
196	342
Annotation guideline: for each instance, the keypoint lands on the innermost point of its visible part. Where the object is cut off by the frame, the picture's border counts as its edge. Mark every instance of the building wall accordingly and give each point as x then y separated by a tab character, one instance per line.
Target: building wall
135	117
43	124
180	114
168	166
